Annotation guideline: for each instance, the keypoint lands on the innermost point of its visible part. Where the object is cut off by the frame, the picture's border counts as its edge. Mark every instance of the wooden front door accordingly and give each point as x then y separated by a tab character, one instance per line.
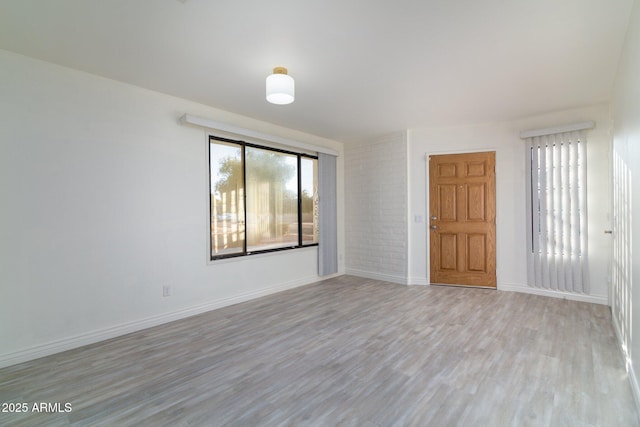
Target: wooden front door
462	211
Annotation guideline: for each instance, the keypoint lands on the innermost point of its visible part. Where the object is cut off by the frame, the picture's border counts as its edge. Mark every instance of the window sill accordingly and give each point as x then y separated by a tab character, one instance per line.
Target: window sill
281	252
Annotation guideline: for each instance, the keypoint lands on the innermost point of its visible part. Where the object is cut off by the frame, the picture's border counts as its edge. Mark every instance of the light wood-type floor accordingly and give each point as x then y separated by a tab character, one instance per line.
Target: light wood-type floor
346	351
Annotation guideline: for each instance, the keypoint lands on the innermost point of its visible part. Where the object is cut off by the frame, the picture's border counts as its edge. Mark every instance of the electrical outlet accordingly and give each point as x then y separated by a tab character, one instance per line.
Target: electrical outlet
166	291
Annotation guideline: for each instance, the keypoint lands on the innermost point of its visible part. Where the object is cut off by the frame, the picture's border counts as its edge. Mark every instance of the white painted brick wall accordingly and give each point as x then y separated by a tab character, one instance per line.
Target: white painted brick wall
376	207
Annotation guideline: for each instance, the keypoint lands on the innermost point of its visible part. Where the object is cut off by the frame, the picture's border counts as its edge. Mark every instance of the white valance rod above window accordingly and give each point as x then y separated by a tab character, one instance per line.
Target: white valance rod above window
555	130
248	133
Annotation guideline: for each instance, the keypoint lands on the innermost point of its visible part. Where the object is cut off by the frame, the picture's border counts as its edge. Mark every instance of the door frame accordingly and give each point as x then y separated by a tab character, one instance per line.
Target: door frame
427	195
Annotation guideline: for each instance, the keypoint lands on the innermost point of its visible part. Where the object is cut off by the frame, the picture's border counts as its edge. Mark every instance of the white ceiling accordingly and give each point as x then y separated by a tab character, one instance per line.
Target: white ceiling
362	67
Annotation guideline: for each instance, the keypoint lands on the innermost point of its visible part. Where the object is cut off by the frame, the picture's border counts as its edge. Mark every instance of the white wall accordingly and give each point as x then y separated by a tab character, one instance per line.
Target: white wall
503	138
104	200
625	304
376	208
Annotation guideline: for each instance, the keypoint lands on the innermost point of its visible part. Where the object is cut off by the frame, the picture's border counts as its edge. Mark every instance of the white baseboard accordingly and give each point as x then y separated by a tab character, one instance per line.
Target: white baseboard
633	380
377	276
631	373
80	340
418	281
595	299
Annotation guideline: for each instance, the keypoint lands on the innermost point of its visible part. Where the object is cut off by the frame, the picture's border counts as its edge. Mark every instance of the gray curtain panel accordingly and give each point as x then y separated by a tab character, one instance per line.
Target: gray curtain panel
328	217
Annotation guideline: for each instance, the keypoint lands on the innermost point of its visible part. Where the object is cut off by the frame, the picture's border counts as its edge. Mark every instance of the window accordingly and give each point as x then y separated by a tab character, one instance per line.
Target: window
558	211
261	199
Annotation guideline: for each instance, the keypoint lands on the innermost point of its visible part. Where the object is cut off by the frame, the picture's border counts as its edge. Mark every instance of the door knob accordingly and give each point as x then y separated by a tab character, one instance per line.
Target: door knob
433	227
434	218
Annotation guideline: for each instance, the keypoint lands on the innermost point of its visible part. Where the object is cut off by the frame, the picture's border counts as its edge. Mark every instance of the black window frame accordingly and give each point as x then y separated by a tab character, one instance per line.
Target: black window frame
244	145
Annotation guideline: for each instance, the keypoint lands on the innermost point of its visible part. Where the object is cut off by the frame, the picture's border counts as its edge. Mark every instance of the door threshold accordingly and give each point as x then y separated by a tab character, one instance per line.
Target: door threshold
453	285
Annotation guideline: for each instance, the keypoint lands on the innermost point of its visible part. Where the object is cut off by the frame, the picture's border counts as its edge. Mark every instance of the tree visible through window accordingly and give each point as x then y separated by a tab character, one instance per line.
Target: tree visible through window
261	199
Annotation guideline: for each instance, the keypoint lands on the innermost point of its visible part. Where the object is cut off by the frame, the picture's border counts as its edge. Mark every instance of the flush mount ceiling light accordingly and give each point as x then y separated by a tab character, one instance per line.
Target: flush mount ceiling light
280	87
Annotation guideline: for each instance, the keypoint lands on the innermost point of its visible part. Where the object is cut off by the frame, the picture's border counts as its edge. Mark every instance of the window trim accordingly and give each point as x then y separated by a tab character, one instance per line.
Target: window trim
244	145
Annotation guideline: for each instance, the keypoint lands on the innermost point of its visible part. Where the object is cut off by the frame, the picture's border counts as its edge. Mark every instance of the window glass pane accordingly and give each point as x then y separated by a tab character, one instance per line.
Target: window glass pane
309	176
552	204
272	199
227	198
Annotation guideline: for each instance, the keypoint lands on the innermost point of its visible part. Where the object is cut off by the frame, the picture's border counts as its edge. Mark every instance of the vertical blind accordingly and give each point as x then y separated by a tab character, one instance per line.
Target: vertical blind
328	223
557	202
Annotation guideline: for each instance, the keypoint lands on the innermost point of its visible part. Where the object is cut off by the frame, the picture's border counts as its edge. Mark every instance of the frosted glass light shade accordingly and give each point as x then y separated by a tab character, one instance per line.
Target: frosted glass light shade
280	87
